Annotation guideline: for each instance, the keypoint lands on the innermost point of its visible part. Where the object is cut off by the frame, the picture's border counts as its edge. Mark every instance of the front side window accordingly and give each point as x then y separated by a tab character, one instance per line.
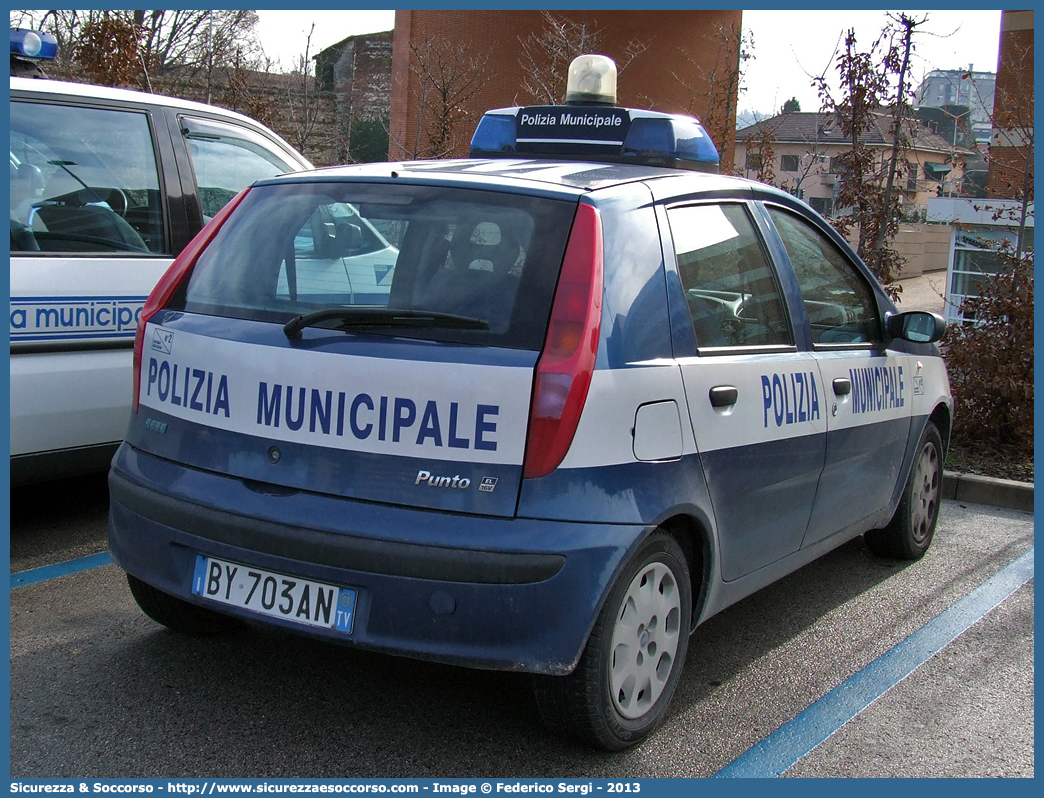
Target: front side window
485	262
226	159
83	180
839	301
730	287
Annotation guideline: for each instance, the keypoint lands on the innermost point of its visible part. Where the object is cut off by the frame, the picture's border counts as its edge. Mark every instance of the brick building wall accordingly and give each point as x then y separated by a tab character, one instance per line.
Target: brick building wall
685	42
357	72
1011	152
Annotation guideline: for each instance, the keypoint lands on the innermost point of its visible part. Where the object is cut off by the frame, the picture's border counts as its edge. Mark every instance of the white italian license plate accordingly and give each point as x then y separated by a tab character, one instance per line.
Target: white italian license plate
288	597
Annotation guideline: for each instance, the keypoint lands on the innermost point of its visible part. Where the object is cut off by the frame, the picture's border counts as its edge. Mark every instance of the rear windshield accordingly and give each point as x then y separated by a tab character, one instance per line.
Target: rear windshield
296	248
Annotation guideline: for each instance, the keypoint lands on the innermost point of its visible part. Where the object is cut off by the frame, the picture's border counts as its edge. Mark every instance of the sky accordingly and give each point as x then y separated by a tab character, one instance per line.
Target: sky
790	47
284	34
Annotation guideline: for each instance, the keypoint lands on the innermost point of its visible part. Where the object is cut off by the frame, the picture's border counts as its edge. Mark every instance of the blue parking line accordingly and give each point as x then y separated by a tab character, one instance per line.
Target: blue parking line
59	569
797	738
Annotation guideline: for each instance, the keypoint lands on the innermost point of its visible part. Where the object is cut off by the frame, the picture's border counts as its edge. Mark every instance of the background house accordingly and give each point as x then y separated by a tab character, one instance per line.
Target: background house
800	151
356	72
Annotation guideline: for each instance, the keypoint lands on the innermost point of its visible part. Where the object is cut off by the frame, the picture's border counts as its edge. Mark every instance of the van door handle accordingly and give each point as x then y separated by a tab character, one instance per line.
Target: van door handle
723	396
842	386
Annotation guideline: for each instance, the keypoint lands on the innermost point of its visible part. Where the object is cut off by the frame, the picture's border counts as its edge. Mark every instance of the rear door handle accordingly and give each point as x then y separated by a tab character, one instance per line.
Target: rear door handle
723	396
842	386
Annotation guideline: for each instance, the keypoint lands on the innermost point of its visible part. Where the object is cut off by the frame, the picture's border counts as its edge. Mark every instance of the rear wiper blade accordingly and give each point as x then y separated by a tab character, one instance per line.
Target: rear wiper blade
382	317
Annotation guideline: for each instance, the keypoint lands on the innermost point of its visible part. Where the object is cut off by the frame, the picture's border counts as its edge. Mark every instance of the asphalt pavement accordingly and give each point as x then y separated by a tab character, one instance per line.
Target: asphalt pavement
98	690
924	292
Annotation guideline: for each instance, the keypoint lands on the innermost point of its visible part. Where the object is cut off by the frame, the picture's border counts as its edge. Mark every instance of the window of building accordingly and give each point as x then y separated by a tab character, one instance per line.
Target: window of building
789	163
978	253
936	171
837	166
822	205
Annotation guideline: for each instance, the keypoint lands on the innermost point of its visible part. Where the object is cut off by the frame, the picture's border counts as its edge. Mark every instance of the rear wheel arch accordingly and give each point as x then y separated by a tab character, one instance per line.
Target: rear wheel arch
694	539
620	689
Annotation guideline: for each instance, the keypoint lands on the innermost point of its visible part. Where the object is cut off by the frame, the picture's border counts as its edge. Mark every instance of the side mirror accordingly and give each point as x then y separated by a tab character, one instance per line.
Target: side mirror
917	326
349	238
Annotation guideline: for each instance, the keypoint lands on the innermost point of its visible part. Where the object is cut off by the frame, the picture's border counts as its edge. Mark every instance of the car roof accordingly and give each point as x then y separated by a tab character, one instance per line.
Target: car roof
555	176
92	92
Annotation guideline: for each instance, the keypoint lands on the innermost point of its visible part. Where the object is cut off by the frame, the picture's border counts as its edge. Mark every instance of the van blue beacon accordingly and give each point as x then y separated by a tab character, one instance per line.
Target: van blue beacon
590	393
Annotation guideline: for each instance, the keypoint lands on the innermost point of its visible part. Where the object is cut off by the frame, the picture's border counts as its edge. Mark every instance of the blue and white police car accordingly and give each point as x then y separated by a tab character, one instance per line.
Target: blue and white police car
606	394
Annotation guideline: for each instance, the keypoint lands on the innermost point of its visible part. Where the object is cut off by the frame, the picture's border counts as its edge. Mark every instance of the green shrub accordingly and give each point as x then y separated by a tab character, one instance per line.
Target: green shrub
990	360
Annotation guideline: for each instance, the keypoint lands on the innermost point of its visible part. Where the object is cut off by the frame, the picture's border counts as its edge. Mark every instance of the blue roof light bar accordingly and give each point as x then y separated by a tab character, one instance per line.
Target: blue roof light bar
596	133
33	44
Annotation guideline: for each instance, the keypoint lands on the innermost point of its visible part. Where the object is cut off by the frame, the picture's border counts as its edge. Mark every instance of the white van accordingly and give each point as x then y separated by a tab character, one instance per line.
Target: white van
107	187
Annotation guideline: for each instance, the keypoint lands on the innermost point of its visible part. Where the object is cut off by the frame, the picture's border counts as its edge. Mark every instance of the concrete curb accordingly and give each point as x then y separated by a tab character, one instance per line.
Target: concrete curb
1006	493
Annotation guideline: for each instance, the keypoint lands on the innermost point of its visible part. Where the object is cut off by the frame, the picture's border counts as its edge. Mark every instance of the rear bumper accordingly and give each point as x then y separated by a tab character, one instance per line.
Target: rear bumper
510	594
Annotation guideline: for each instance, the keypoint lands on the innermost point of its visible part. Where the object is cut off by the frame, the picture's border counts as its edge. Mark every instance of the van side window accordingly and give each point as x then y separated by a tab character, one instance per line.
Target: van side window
83	180
227	159
730	286
839	301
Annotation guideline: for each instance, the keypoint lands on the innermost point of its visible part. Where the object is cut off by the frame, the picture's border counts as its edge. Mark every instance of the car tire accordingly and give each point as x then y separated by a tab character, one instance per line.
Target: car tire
176	614
909	534
619	692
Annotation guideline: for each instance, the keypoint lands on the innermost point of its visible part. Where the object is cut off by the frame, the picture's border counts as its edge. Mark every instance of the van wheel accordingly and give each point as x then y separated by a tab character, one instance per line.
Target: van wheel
909	534
624	681
176	614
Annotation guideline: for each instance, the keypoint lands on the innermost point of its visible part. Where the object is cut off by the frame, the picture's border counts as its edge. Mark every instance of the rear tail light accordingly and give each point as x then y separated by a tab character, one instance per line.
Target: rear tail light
172	280
563	373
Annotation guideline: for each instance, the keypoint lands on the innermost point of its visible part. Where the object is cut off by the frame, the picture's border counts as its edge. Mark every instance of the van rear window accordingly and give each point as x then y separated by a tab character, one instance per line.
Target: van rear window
297	248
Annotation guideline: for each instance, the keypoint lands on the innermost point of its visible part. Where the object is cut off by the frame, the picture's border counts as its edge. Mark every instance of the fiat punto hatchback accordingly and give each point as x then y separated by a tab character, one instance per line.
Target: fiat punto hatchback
584	395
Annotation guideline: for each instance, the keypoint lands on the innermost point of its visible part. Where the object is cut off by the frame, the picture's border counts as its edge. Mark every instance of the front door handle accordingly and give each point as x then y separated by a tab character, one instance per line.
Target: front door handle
842	386
723	396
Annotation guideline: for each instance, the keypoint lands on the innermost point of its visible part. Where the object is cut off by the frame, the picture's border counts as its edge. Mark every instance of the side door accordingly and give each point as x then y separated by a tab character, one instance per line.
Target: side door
90	236
755	401
869	386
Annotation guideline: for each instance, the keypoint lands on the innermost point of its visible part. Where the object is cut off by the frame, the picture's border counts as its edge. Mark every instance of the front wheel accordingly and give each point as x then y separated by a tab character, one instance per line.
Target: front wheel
909	534
619	692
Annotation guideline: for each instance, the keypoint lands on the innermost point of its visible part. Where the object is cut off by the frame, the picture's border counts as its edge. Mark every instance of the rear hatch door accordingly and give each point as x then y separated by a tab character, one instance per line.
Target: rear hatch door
371	341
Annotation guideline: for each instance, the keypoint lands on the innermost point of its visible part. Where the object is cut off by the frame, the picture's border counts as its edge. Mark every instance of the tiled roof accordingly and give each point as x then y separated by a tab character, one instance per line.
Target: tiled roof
824	129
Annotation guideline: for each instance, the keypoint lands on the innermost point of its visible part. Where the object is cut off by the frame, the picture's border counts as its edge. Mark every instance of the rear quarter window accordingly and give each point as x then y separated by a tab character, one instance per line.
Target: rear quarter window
297	248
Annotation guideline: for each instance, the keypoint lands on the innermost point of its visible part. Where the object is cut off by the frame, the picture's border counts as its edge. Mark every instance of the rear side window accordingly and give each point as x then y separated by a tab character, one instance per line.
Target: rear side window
83	180
730	286
293	249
